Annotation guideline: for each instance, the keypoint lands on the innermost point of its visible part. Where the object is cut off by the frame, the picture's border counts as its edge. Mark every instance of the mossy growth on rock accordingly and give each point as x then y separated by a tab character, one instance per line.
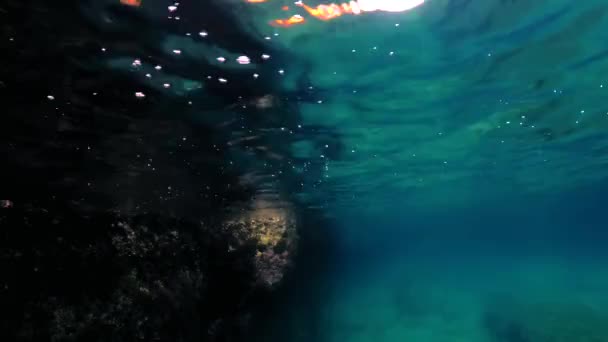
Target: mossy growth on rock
271	230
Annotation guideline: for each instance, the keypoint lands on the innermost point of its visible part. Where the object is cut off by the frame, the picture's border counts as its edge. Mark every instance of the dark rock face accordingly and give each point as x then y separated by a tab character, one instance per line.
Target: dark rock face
146	278
122	218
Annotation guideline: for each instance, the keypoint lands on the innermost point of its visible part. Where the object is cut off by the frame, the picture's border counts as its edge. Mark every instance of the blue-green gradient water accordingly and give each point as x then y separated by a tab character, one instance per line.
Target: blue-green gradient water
469	202
448	167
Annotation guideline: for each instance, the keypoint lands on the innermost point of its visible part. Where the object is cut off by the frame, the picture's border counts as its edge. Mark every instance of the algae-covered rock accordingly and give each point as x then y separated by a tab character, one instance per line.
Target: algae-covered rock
270	229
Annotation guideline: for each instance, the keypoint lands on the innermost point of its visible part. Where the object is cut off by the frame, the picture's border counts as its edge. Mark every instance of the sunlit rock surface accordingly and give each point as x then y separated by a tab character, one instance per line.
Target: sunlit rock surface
271	229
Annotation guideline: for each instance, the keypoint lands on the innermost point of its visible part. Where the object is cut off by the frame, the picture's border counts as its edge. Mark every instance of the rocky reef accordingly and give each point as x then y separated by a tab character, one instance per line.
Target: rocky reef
143	278
271	230
122	217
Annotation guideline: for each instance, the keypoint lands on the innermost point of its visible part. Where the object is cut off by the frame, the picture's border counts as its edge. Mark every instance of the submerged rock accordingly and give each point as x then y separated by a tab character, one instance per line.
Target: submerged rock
271	230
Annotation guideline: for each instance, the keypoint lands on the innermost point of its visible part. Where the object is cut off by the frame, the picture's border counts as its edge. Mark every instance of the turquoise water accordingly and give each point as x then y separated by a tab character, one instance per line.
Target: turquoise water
514	270
467	202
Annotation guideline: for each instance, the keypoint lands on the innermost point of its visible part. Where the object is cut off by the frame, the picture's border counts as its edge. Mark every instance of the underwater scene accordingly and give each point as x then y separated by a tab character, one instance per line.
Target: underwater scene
271	170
